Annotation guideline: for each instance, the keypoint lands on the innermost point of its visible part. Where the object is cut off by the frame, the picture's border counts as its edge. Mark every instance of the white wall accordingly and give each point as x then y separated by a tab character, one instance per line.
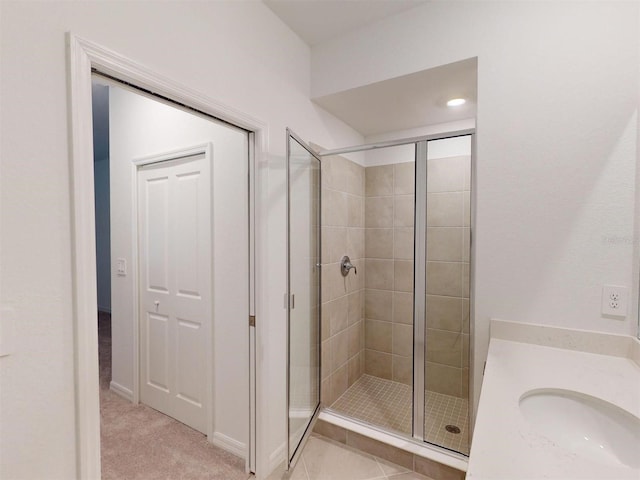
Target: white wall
100	95
238	53
140	127
556	144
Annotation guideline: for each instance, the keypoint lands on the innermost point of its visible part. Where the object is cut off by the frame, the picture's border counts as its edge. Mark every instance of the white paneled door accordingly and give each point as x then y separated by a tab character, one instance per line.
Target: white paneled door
175	304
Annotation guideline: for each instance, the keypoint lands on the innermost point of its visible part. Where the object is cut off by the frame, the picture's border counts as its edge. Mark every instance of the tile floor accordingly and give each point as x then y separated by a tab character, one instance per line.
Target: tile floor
388	404
324	459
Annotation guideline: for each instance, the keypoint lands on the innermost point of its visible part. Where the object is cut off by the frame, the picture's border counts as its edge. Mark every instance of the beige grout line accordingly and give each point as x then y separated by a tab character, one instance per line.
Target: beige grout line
384	475
304	464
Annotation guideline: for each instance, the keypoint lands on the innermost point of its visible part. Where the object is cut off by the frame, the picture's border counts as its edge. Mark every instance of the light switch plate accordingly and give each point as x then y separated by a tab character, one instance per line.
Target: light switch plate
615	301
121	267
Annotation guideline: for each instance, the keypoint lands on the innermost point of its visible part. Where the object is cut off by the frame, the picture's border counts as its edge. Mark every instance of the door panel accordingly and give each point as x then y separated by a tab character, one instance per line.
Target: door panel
174	225
303	173
186	204
157	351
157	232
188	381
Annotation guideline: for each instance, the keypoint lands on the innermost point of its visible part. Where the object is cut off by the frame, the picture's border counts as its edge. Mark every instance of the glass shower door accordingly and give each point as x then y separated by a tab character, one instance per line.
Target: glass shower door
303	222
443	280
398	341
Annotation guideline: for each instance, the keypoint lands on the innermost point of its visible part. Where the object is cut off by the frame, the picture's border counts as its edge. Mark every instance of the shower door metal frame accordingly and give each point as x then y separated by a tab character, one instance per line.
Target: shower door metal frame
292	460
419	290
420	278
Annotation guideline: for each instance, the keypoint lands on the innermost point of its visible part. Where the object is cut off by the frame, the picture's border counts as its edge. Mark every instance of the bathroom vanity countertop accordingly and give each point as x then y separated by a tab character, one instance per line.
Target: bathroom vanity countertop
505	446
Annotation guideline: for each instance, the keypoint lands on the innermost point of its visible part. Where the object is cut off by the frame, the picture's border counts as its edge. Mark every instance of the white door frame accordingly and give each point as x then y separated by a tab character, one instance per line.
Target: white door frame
82	57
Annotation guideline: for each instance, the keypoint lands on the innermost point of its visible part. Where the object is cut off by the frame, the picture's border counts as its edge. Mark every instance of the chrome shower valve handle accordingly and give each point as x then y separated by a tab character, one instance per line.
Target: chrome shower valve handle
346	265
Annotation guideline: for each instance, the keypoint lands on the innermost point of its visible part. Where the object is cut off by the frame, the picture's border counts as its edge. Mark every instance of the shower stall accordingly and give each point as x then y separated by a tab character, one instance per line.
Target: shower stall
392	336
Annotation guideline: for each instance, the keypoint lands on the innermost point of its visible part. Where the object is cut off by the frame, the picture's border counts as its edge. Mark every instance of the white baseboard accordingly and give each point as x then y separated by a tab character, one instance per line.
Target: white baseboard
300	412
229	444
120	390
278	456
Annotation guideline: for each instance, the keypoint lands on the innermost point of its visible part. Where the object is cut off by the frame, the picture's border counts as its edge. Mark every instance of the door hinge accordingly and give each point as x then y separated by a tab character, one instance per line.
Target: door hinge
252	320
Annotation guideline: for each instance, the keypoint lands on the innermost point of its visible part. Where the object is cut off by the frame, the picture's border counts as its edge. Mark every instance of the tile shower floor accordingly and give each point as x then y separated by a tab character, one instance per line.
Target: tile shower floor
388	404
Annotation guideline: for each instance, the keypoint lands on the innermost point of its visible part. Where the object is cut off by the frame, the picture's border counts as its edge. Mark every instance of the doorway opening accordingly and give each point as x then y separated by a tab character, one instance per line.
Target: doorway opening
166	213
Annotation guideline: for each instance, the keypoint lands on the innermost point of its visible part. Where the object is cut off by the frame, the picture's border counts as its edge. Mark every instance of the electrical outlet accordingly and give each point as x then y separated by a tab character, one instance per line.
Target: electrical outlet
615	301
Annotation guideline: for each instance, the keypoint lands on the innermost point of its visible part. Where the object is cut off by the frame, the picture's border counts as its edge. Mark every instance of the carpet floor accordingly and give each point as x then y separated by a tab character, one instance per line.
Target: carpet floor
138	442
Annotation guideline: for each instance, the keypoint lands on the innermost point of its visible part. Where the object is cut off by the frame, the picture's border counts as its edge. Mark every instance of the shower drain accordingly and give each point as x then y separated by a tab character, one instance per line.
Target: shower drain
452	429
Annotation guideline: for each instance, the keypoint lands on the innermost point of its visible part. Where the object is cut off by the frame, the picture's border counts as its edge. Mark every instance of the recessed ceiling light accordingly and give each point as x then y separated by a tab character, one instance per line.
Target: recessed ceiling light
456	102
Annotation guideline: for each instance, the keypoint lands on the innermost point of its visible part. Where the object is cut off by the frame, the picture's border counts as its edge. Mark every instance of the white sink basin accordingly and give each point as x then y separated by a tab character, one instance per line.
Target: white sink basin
585	425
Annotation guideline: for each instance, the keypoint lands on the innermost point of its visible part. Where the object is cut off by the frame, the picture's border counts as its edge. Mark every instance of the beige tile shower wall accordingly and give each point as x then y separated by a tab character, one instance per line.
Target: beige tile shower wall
448	246
389	243
389	214
342	298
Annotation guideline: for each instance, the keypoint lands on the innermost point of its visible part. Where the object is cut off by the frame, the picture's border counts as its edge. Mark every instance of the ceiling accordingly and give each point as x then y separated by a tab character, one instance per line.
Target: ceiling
409	101
401	103
316	21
